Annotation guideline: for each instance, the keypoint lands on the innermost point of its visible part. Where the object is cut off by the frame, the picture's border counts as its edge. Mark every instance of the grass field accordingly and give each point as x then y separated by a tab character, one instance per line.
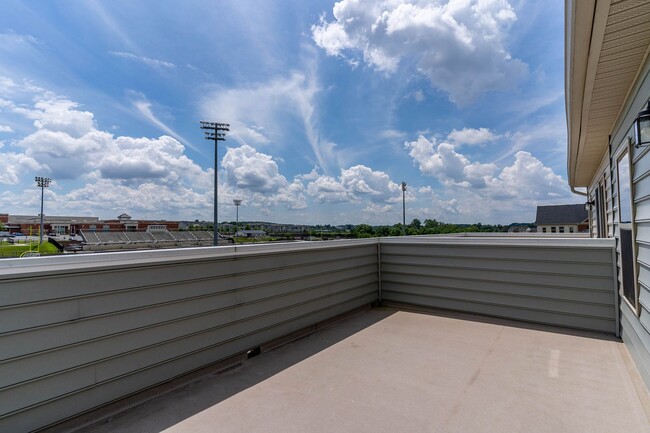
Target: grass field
8	250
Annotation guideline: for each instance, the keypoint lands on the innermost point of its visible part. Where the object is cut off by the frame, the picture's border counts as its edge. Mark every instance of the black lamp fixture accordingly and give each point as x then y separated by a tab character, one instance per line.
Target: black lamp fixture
642	127
589	205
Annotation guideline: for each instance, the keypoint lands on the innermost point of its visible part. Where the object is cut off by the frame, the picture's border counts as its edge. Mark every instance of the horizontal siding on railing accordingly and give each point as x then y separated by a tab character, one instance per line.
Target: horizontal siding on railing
565	283
76	333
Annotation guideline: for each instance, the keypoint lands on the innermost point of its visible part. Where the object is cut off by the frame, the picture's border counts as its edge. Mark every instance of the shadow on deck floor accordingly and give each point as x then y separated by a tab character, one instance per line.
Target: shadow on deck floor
387	370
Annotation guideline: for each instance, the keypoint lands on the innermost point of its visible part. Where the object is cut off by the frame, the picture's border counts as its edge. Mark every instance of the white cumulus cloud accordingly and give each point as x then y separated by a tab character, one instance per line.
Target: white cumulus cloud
448	166
249	169
12	165
472	136
256	177
475	191
354	185
458	45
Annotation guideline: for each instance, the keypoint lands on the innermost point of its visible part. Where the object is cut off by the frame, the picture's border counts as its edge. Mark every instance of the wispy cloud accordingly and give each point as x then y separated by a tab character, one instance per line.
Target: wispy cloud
110	23
143	106
260	114
153	63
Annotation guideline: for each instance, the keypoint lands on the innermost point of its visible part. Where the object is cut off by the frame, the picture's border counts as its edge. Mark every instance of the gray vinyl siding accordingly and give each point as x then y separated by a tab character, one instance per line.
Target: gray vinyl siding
635	329
86	334
80	331
546	282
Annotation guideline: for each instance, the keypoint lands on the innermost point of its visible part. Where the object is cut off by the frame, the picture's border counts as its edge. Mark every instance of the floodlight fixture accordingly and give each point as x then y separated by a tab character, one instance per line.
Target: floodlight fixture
219	136
215	126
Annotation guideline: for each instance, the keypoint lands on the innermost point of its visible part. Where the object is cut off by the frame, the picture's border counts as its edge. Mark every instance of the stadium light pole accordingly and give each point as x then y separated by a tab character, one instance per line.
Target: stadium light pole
403	185
237	203
215	132
42	183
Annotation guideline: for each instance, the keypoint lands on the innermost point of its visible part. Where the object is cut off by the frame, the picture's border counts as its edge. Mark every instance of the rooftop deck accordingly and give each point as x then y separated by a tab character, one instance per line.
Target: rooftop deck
386	370
83	333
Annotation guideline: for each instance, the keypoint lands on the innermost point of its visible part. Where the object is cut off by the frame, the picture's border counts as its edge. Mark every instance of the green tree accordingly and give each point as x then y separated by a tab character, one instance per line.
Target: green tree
396	230
430	224
382	231
363	231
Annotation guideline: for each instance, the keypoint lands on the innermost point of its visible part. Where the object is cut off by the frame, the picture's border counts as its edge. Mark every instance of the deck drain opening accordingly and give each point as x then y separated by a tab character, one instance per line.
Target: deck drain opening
253	352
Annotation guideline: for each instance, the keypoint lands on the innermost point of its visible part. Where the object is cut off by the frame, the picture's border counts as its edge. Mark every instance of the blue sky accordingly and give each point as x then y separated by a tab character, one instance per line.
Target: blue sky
331	106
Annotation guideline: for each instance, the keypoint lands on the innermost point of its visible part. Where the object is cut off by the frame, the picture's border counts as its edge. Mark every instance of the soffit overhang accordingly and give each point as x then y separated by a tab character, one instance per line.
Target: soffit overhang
606	43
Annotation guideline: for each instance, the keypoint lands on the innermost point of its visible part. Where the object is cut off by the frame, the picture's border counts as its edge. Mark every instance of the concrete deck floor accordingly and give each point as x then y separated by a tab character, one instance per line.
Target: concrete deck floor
400	371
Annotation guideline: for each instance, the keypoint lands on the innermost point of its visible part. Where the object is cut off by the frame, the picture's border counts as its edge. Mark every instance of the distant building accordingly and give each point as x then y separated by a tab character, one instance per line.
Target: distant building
251	233
70	225
566	218
519	228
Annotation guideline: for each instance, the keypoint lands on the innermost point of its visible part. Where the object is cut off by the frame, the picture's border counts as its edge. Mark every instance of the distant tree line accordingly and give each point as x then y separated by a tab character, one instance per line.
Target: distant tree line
416	227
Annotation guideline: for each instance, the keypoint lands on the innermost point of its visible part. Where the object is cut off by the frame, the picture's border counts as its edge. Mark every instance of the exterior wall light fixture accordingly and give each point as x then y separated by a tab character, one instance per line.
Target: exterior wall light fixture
589	205
642	127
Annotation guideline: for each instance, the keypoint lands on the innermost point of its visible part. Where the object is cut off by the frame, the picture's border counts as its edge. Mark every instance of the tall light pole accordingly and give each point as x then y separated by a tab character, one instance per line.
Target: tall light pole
42	183
403	185
214	131
237	203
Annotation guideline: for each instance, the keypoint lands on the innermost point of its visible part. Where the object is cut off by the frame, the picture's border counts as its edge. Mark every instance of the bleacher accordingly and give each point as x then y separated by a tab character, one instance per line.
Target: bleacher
112	237
203	235
140	237
162	236
103	241
90	238
183	236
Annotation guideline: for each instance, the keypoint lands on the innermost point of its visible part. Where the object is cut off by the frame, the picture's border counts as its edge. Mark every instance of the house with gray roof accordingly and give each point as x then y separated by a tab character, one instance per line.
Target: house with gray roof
566	218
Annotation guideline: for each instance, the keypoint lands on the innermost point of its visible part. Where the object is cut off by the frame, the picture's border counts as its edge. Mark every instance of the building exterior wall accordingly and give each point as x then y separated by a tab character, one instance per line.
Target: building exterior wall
635	316
557	228
72	225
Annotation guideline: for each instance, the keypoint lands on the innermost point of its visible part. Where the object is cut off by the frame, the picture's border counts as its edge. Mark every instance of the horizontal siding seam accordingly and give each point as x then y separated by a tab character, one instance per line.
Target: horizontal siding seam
641	176
228	256
483	244
516	295
27	408
470	268
153	325
188	281
497	281
502	294
637	343
192	280
195	298
507	259
587	316
183	337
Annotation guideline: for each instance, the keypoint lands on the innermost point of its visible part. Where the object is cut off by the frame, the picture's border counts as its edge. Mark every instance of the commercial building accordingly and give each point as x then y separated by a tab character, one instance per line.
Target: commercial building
71	225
